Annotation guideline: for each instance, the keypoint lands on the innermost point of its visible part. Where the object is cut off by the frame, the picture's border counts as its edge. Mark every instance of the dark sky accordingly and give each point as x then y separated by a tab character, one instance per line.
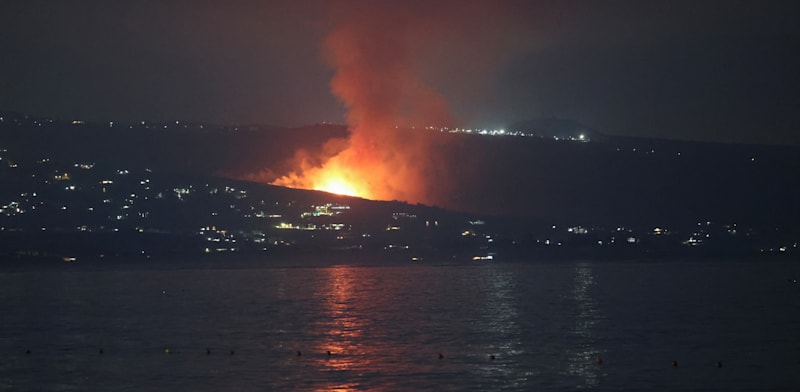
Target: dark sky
720	70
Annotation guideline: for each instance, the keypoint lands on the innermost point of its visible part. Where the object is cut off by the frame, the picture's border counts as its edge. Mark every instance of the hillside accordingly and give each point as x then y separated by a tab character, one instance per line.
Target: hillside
607	179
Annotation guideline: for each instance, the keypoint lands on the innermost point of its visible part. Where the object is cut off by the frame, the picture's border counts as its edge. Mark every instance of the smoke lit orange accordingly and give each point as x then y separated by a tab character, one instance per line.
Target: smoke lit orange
375	49
377	83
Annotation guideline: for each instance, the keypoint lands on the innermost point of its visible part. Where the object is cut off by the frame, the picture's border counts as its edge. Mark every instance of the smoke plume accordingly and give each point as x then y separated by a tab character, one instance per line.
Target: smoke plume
378	51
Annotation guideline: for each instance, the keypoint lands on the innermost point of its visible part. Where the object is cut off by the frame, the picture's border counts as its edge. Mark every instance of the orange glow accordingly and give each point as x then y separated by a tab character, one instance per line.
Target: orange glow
339	186
383	158
335	176
385	56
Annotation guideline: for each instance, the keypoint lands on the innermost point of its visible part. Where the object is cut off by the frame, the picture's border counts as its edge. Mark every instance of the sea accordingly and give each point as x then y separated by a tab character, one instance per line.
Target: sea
525	325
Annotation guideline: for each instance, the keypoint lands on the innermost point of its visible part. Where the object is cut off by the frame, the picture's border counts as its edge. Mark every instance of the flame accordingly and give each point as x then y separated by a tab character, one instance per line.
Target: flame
338	185
337	175
375	49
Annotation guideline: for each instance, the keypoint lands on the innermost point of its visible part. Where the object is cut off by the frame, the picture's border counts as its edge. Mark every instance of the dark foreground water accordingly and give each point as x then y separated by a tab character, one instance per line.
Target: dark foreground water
545	324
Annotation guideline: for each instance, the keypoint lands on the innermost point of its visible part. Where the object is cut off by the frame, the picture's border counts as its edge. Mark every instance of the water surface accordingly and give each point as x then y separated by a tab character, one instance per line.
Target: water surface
515	326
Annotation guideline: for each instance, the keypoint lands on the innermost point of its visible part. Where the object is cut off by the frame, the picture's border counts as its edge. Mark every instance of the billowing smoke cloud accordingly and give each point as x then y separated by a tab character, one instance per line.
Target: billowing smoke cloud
377	50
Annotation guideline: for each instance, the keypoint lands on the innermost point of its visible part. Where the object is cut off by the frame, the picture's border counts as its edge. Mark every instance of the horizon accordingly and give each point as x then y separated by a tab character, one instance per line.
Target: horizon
106	121
677	70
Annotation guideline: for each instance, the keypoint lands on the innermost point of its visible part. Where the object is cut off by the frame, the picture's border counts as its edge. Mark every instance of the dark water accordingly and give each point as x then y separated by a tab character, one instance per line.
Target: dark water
545	324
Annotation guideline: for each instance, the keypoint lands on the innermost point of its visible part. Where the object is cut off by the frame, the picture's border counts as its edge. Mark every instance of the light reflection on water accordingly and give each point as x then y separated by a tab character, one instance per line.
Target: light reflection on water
583	354
499	290
385	328
341	327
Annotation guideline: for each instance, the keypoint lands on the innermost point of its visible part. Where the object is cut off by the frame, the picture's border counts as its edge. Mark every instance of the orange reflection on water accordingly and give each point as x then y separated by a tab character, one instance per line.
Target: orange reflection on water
344	324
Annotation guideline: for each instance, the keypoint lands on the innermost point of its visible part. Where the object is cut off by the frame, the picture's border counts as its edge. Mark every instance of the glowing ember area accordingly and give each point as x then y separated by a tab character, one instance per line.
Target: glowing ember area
335	176
338	186
334	180
380	165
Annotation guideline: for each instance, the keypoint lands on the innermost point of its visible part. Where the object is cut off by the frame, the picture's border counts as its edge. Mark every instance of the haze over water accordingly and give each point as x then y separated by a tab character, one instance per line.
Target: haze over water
385	326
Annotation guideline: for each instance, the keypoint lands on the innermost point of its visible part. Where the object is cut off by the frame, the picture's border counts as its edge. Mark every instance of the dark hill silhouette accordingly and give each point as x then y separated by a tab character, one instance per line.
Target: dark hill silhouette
603	181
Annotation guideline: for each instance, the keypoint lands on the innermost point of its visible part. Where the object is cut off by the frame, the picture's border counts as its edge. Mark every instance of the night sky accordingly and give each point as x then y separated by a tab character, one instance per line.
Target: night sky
718	71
